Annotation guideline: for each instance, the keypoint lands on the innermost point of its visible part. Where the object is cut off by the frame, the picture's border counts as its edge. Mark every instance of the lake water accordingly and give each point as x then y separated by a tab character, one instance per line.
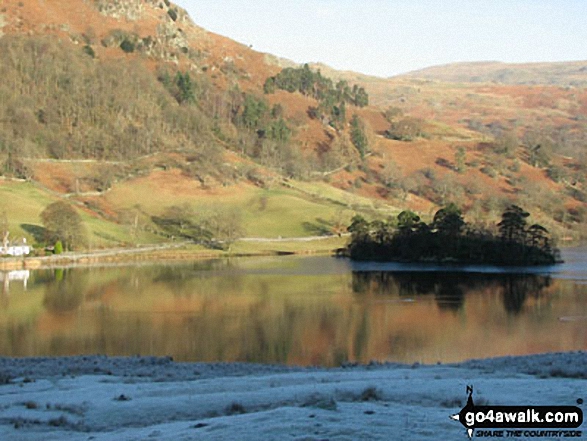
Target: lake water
296	310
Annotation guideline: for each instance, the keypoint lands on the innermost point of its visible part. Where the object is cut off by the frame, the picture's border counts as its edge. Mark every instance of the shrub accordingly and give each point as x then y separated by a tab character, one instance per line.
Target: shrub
58	247
515	167
577	194
370	394
556	173
429	173
89	51
127	46
489	171
406	129
235	409
172	14
5	378
58	422
321	402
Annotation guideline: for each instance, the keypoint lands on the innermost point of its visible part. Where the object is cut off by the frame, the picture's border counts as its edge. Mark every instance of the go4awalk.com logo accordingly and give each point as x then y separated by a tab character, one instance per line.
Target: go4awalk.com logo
520	421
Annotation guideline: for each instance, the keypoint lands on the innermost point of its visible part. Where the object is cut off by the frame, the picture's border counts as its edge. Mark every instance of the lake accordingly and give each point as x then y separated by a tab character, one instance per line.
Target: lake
296	310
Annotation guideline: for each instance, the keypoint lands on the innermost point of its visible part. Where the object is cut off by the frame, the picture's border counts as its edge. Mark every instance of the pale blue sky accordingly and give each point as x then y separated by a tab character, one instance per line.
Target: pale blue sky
389	37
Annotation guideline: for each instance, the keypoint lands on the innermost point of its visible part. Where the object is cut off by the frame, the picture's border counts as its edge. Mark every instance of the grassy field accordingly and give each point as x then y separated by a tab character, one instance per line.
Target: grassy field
23	203
104	234
280	212
314	246
274	213
269	213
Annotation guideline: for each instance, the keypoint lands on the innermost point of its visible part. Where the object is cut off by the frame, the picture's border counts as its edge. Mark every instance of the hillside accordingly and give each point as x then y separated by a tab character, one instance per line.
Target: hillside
563	74
154	128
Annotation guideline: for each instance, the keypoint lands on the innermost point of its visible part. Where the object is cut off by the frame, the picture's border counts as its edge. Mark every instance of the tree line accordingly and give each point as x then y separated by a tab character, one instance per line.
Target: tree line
448	238
332	98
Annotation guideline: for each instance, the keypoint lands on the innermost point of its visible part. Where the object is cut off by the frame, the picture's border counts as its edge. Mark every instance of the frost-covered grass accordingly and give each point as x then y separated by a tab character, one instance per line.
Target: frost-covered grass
101	398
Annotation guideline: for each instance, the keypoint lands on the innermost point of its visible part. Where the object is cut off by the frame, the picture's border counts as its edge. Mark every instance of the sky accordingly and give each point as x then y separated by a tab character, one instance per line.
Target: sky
389	37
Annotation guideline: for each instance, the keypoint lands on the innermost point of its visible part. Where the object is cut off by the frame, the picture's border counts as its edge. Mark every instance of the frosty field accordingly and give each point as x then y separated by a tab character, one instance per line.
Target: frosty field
100	398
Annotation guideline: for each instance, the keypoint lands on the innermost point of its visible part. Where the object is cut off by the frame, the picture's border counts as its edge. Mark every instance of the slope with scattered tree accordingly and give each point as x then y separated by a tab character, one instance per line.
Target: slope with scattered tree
136	89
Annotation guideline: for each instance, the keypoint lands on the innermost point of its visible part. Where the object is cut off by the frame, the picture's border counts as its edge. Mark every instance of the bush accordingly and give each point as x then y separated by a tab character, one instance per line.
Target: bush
127	46
58	247
429	173
406	129
371	394
489	171
515	167
577	194
5	378
59	422
172	14
556	173
320	401
89	51
579	214
235	409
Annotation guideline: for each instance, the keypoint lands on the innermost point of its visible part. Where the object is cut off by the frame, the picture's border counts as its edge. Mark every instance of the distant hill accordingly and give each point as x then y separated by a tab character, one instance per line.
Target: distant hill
556	74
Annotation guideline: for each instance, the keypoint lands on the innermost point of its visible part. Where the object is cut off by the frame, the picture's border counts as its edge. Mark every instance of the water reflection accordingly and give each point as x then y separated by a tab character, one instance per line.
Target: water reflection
6	277
309	311
65	292
450	289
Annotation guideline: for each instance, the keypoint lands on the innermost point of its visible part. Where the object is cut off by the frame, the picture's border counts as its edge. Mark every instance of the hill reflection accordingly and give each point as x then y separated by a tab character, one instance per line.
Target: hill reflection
292	311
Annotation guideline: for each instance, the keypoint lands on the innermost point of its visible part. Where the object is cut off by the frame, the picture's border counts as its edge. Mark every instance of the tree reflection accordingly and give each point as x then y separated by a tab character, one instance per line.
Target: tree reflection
449	295
185	280
249	313
450	289
65	293
517	288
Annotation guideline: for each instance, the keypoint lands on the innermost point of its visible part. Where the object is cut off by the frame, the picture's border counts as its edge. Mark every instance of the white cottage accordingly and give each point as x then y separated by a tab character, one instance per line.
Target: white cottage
16	248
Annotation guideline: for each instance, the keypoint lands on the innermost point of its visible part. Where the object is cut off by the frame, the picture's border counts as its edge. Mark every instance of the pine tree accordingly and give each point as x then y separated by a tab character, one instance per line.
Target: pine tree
513	224
358	136
186	92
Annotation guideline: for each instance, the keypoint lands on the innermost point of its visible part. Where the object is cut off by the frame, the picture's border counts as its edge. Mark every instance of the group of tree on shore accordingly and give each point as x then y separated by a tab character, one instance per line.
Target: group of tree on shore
449	239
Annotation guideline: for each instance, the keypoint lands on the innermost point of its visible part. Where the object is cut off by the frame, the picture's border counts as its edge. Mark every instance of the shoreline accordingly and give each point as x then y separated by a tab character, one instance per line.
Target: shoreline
173	252
138	398
169	253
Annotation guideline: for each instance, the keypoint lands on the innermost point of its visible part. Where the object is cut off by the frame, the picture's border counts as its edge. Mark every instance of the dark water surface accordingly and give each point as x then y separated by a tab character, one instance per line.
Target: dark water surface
296	310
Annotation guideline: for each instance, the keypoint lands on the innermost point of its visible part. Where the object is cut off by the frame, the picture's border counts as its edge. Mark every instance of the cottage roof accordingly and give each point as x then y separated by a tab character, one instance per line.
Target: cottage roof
18	243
